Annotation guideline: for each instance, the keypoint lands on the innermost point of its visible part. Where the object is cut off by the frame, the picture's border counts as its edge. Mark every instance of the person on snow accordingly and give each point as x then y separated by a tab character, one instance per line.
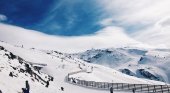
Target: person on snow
73	80
133	90
47	84
111	89
27	87
62	89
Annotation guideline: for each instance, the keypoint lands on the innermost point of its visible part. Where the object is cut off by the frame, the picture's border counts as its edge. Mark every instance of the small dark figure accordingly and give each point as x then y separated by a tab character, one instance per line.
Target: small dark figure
73	79
0	91
27	86
111	89
11	75
62	89
47	84
39	71
80	66
92	69
52	78
28	70
133	90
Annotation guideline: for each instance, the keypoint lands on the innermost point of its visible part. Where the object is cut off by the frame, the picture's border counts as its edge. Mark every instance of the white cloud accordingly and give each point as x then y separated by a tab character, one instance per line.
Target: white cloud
164	22
152	15
3	18
107	37
136	11
156	35
106	22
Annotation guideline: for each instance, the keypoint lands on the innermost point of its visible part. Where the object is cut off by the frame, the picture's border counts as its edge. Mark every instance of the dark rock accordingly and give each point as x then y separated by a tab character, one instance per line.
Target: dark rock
2	48
149	75
127	71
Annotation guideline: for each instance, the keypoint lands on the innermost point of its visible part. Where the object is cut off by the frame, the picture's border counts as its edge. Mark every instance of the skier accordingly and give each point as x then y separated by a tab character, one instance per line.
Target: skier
47	84
133	90
111	89
11	75
62	89
27	87
92	69
73	79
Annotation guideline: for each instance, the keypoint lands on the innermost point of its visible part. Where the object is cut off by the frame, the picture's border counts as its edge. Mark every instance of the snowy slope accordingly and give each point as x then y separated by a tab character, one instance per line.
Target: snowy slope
143	63
108	37
54	64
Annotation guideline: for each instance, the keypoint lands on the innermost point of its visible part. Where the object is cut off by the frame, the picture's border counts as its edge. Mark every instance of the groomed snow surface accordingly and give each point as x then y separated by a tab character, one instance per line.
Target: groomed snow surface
58	66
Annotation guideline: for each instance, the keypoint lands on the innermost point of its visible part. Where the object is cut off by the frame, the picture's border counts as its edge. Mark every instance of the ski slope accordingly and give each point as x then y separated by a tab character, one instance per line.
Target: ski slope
142	63
56	65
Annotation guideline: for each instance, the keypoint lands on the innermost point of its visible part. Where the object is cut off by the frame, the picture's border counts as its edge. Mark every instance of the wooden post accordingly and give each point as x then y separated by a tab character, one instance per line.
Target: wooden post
154	89
168	88
80	82
122	85
83	82
104	85
161	89
134	86
94	84
148	87
108	85
97	84
77	81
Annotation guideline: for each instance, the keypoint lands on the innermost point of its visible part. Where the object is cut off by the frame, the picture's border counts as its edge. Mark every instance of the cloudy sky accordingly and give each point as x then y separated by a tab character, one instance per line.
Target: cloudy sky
80	18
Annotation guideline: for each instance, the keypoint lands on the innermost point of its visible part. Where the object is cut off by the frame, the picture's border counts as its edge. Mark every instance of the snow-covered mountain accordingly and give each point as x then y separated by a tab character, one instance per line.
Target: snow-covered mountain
143	63
34	56
18	64
107	37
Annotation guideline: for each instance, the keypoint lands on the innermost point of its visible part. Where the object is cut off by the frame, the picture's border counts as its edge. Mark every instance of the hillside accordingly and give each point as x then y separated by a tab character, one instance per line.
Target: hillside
107	37
143	63
55	66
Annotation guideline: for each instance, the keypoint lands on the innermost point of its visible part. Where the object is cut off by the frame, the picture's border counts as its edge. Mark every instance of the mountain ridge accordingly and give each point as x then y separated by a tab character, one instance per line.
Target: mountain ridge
142	63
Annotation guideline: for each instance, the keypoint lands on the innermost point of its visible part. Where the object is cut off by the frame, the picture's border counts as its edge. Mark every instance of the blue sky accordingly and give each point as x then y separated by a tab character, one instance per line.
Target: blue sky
56	17
83	17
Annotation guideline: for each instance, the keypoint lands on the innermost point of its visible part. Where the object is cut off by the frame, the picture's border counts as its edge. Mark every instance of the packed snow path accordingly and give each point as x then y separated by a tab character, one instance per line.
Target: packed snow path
144	88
